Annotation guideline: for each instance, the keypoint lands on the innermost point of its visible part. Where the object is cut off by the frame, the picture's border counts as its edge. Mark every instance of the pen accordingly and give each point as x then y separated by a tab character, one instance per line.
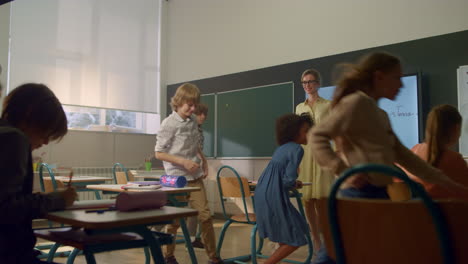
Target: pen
70	177
100	211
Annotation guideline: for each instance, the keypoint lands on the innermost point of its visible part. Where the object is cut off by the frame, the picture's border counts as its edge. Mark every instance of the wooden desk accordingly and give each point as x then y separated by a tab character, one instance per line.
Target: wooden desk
118	188
153	174
172	193
81	179
119	222
79	182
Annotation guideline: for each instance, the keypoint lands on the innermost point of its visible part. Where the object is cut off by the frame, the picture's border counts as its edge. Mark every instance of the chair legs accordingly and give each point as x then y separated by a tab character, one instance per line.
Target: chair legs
253	244
71	258
52	252
221	237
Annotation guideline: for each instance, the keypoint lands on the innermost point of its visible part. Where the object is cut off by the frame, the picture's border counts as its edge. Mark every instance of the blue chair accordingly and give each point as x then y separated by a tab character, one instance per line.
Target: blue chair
122	168
371	227
237	187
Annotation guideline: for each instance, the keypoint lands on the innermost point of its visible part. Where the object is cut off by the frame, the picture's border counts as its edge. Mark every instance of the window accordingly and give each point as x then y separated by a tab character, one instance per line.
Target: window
100	57
111	120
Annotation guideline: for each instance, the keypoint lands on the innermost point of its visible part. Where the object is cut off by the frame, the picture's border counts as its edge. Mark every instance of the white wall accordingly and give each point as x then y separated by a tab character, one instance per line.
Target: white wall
4	43
208	38
98	149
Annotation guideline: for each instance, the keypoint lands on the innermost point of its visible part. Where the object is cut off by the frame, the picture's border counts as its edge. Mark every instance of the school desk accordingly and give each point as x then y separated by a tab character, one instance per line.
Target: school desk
152	175
79	182
117	223
172	194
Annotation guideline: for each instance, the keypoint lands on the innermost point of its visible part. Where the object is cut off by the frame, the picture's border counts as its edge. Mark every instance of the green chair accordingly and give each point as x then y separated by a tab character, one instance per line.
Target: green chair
348	220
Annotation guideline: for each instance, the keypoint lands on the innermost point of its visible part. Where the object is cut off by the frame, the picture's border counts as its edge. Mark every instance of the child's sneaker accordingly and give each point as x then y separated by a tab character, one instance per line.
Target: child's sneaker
171	260
197	243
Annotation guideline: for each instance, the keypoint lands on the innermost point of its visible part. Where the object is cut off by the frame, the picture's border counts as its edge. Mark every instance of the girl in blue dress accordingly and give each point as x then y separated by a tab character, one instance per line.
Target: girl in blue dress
277	218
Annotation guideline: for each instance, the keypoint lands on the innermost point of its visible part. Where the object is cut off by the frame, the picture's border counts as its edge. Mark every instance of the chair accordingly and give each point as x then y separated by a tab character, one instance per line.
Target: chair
382	231
237	187
48	185
123	174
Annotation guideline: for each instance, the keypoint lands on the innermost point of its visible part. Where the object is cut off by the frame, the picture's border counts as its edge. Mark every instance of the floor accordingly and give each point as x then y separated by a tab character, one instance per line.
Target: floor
236	243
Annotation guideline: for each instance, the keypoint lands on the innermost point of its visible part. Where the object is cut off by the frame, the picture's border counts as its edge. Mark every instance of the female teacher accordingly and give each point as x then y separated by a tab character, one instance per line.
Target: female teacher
309	170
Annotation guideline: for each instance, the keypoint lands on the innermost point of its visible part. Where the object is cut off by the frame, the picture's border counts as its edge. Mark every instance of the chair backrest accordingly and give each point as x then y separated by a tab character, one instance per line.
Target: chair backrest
372	231
233	186
123	180
122	177
48	185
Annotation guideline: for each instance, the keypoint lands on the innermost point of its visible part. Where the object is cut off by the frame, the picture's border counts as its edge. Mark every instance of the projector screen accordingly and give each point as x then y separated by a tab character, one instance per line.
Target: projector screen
404	111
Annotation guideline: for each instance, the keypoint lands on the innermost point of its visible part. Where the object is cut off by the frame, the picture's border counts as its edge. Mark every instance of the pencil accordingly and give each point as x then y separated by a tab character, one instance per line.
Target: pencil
70	177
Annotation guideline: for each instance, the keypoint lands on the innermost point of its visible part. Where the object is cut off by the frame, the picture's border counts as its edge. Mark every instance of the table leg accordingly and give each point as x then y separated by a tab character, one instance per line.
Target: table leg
153	244
188	242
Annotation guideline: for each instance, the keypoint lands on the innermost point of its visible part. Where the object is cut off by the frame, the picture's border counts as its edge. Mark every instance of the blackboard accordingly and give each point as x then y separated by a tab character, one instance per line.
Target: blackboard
209	125
245	119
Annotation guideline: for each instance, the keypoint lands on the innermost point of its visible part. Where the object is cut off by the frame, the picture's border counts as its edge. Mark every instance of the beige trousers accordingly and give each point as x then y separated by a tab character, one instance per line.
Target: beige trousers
198	201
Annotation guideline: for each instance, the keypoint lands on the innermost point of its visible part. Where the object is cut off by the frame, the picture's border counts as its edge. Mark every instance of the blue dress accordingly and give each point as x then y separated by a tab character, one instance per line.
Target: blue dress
277	218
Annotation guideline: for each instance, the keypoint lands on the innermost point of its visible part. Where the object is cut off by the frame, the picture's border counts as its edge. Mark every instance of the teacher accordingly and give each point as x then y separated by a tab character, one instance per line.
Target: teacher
309	170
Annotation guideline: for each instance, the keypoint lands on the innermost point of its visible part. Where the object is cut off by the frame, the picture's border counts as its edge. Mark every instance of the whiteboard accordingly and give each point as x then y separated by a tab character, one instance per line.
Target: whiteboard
403	112
462	76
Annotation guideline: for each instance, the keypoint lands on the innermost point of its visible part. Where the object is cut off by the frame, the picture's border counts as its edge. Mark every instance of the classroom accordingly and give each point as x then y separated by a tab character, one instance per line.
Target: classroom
115	65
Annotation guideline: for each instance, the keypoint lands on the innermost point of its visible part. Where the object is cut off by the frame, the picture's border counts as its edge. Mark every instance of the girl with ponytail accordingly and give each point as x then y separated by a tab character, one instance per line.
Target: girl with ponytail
362	132
443	128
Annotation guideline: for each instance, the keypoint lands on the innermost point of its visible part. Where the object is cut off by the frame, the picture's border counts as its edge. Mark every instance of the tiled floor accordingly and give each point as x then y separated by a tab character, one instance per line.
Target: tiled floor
236	243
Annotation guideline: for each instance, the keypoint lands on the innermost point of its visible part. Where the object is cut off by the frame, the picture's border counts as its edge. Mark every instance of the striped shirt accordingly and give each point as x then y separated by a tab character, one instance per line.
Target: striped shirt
179	137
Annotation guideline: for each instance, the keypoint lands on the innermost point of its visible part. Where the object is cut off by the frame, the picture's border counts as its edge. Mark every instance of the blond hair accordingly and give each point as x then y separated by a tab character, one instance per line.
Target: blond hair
360	76
187	92
314	73
441	122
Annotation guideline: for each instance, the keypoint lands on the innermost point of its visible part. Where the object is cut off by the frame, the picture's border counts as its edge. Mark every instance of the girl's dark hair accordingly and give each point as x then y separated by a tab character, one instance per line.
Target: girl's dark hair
440	123
288	126
36	106
360	76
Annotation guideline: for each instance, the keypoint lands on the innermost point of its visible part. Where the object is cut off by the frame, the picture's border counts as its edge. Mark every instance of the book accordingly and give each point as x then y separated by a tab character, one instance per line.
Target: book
141	187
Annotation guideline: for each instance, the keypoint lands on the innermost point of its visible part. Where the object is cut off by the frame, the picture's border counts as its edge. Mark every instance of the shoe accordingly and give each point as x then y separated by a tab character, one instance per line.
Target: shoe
171	260
218	261
197	243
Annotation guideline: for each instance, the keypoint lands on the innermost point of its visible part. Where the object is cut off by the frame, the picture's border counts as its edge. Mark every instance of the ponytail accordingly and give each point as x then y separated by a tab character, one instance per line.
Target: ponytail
441	122
360	76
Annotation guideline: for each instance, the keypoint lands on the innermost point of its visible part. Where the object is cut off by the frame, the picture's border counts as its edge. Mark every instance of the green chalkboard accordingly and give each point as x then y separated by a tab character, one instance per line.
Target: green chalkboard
246	119
209	125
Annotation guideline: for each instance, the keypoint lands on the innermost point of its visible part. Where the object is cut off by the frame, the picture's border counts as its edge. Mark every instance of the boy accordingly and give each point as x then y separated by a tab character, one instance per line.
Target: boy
178	147
31	117
192	222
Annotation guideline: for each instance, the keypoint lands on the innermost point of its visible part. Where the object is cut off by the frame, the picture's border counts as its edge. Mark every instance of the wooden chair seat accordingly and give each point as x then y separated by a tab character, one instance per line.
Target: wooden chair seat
243	217
386	232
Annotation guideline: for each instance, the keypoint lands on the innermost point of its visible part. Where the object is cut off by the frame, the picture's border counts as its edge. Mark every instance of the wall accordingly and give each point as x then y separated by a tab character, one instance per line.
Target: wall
98	149
4	43
209	38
